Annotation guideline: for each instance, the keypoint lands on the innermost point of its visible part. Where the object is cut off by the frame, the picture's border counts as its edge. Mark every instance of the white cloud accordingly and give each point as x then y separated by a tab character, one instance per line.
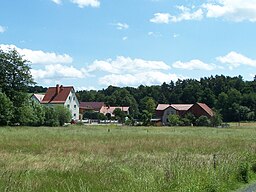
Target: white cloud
125	38
185	15
121	26
58	71
161	18
234	59
234	10
2	29
143	78
85	3
194	65
38	56
124	65
57	1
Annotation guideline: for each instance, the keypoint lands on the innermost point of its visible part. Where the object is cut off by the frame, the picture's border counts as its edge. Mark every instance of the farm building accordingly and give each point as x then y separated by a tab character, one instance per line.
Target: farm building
198	109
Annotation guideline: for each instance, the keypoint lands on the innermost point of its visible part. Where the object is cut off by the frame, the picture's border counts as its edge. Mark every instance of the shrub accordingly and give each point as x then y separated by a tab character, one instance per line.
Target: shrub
51	117
203	121
253	168
174	120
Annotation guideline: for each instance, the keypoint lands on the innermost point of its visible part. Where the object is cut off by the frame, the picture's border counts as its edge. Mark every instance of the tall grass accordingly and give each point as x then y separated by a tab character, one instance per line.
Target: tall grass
88	158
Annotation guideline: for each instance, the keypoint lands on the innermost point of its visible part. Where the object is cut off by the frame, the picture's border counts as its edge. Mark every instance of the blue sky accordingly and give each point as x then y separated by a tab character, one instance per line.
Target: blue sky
91	44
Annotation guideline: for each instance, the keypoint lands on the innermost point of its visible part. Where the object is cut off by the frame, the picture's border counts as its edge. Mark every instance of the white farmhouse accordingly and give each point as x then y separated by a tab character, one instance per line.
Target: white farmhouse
65	96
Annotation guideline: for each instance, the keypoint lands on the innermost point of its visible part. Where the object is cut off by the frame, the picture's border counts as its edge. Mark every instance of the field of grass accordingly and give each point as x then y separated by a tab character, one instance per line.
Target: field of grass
115	158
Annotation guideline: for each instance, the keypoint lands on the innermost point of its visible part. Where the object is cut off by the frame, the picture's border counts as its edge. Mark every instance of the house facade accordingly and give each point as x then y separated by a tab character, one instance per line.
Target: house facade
64	96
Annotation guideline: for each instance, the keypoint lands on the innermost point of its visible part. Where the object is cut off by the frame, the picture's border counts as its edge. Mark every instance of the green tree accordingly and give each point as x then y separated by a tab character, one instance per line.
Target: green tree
146	117
6	109
149	104
15	74
119	114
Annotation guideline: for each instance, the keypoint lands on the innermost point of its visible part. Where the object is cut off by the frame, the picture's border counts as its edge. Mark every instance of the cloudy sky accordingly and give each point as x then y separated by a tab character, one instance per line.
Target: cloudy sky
95	43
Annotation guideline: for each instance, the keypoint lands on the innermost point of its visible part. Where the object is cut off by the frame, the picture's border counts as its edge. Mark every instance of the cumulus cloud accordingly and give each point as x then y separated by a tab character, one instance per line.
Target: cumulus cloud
185	15
234	59
121	26
85	3
126	65
58	71
40	57
2	29
161	18
234	10
194	65
143	78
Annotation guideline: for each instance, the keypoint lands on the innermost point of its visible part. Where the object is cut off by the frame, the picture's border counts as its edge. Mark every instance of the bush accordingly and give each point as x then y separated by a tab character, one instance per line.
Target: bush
51	117
203	121
174	120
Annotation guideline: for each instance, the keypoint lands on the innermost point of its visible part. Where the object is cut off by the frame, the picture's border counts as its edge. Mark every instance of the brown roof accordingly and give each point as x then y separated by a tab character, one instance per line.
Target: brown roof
110	110
206	108
162	107
57	95
91	105
181	107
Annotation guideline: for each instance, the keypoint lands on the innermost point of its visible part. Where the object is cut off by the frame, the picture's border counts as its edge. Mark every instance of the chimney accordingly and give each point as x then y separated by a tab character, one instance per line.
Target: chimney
57	89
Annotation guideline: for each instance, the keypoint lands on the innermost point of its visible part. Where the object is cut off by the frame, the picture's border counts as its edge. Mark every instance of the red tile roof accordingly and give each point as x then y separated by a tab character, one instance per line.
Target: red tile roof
206	108
57	95
91	105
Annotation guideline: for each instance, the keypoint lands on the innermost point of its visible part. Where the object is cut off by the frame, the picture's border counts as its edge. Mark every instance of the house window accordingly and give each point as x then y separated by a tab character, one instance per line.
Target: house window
75	106
74	114
74	98
68	106
69	98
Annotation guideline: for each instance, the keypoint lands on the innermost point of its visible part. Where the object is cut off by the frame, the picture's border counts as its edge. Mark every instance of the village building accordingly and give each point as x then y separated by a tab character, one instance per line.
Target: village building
201	109
64	96
110	110
198	109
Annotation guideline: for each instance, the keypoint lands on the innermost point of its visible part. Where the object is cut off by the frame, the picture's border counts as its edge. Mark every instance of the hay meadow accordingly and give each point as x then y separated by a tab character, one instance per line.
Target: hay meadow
120	158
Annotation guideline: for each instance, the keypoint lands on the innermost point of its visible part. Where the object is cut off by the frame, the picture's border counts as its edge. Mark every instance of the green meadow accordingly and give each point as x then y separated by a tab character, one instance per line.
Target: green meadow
119	158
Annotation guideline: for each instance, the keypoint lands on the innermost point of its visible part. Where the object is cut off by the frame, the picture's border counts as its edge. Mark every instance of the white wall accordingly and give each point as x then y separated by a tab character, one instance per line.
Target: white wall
73	105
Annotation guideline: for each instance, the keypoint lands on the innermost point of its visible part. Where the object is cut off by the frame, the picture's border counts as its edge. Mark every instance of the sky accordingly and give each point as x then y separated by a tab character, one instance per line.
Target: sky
91	44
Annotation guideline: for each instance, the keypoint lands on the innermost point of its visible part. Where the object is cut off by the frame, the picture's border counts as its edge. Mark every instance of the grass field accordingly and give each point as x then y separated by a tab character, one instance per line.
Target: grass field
139	159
